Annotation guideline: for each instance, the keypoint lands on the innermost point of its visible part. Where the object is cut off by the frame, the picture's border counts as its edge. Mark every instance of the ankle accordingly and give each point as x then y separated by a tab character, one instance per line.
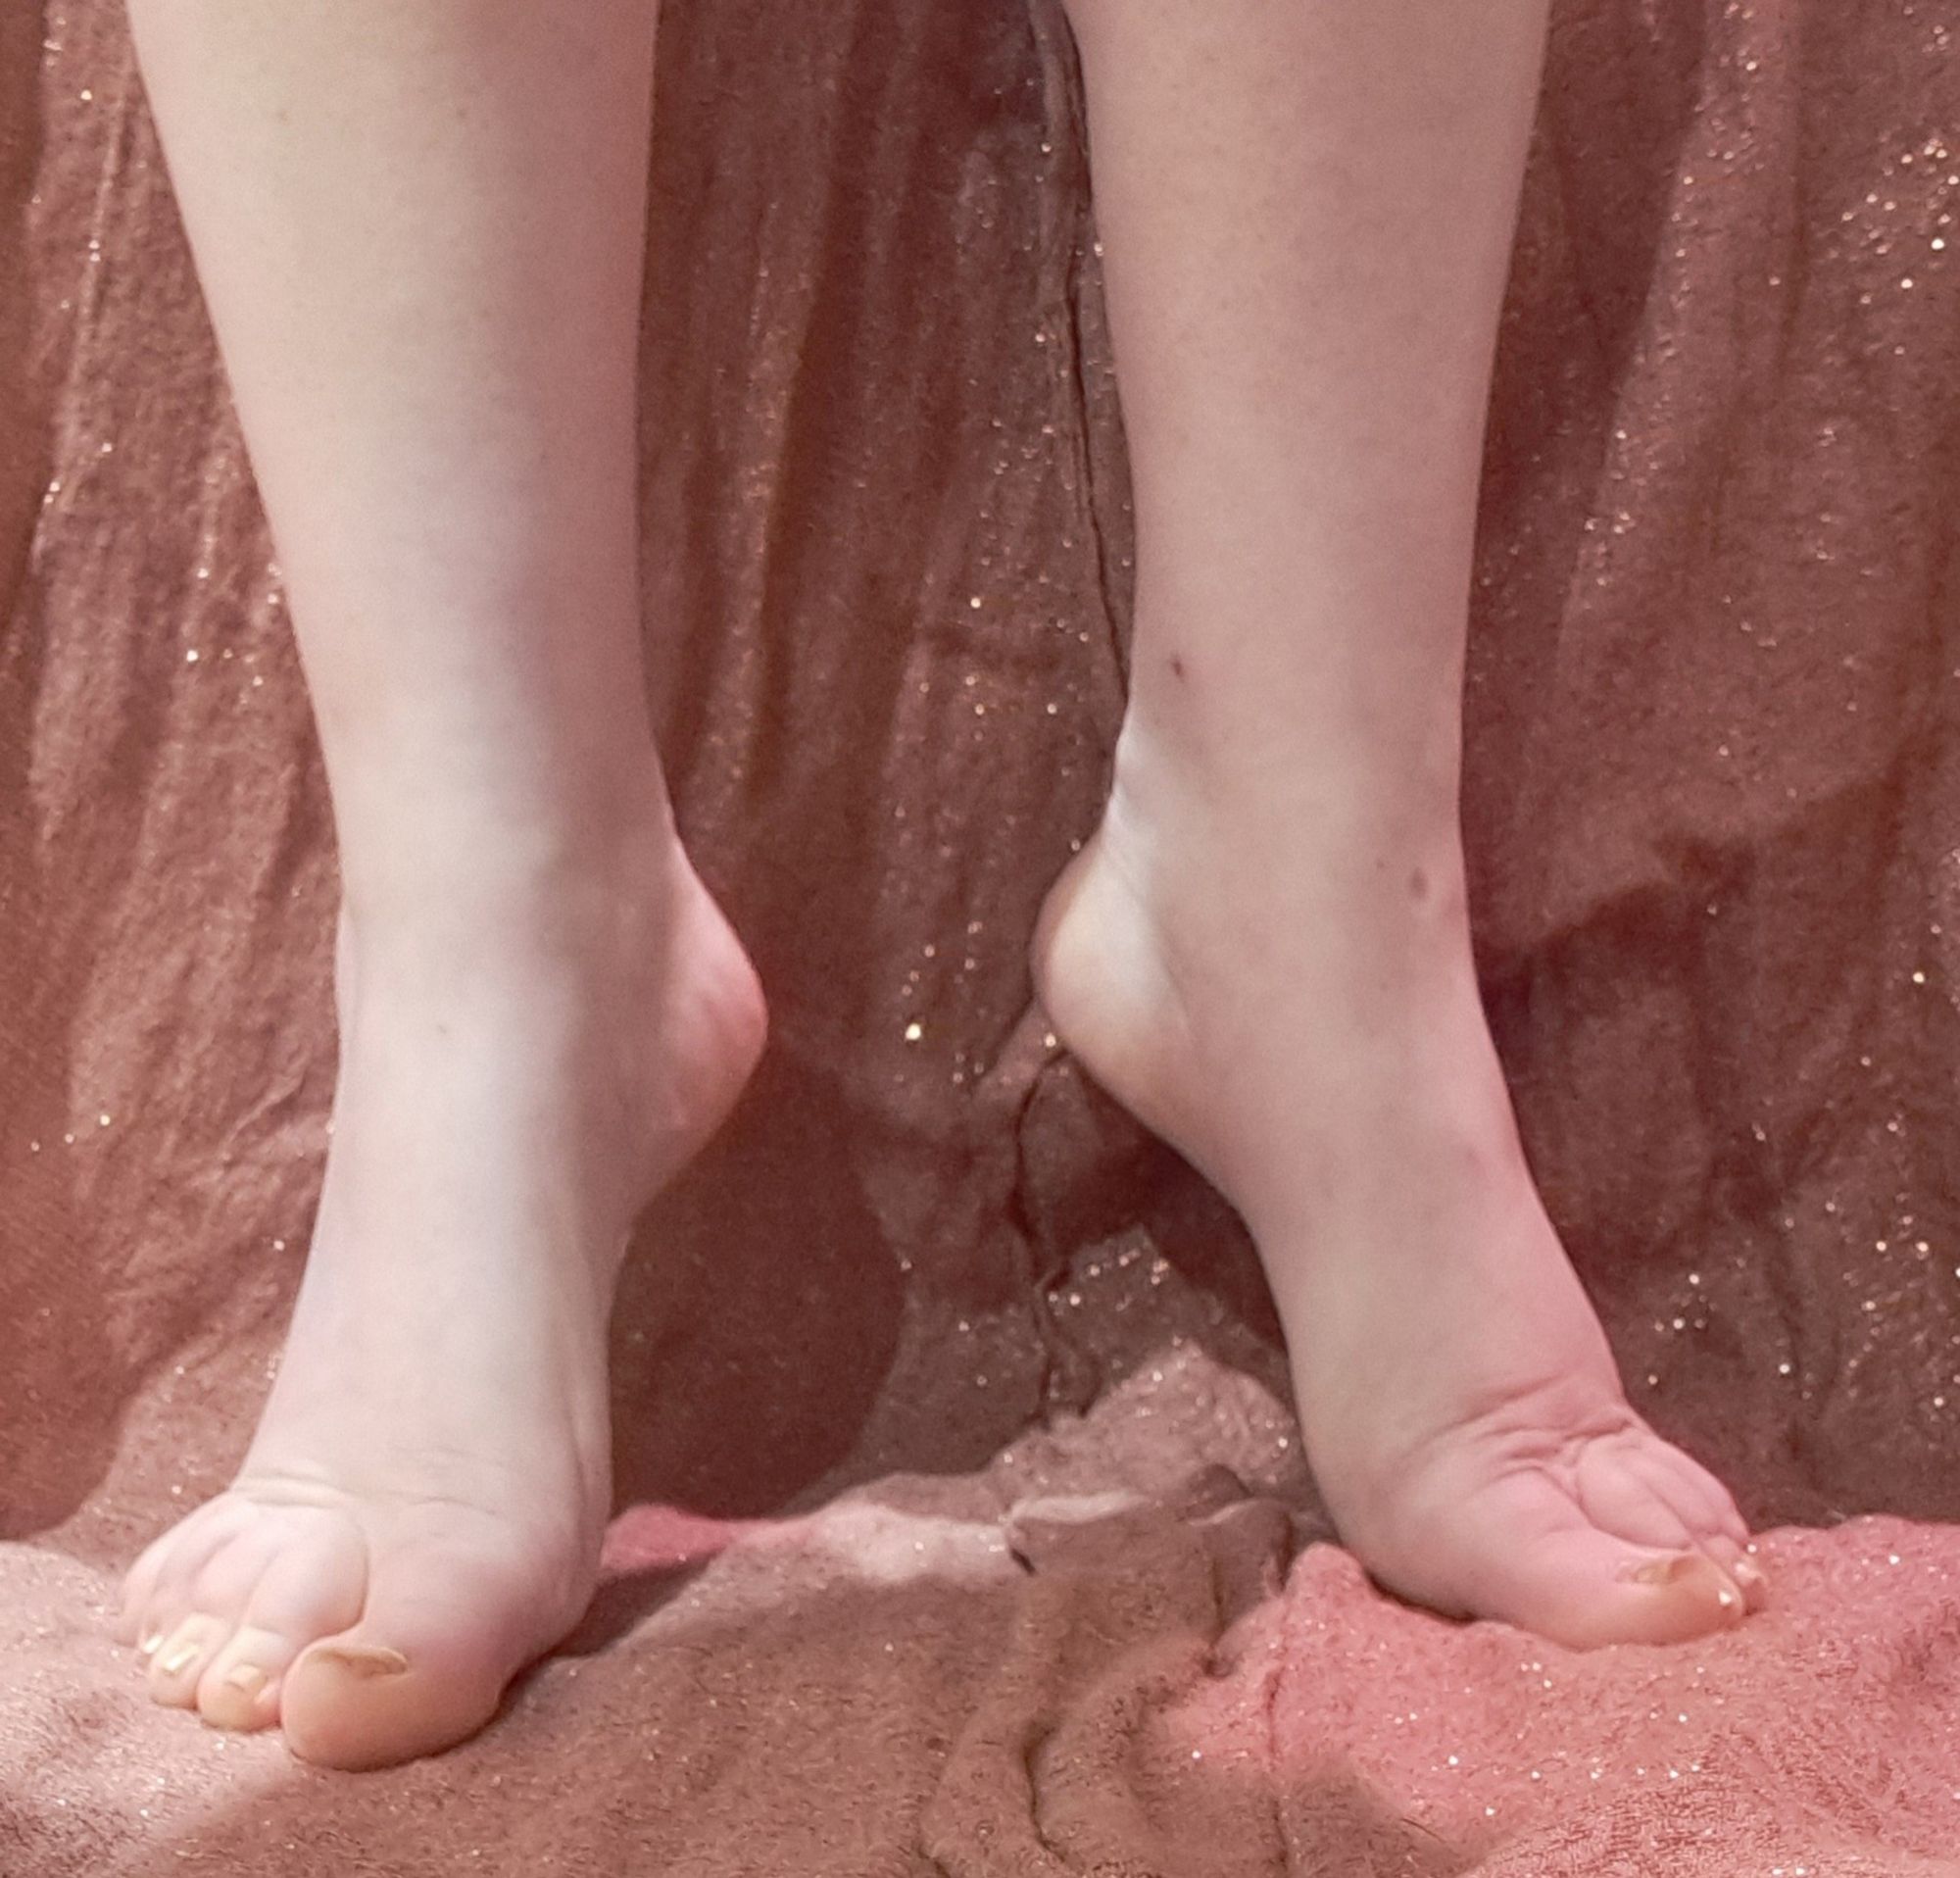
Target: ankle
1340	840
1320	782
513	867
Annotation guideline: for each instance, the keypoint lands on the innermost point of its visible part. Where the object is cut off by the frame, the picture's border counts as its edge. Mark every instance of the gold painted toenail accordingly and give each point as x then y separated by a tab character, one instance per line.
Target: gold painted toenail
179	1659
246	1677
152	1644
366	1661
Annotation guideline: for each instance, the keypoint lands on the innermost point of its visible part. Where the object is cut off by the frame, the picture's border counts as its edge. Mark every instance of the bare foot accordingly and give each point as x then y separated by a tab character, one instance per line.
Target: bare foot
420	1511
1283	988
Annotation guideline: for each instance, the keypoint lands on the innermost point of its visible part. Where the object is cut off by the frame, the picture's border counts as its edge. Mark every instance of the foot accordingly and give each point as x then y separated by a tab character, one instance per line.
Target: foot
1284	990
420	1511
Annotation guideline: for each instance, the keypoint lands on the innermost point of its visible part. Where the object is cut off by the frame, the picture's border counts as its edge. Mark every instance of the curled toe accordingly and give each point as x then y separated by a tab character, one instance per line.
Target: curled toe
178	1661
1749	1577
240	1686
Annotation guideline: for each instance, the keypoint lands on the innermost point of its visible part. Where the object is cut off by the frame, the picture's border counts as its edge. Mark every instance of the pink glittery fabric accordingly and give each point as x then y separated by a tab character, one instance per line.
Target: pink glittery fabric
963	1527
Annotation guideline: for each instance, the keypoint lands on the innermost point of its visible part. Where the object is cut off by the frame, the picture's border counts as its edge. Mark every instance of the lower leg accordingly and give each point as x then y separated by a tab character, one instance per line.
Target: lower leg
419	232
1307	212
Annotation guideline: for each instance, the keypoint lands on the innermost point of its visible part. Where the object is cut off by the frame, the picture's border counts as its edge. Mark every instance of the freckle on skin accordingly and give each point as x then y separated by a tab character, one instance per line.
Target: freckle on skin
1176	667
1418	883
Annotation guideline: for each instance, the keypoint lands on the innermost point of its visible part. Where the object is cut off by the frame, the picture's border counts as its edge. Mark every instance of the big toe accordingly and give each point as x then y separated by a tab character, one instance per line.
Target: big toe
1526	1552
1585	1588
425	1668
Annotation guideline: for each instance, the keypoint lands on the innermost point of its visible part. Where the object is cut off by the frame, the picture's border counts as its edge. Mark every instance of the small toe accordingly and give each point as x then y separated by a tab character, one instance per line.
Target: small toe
1694	1499
1627	1490
225	1581
240	1686
1648	1491
308	1583
314	1583
1701	1498
1750	1577
180	1660
139	1589
184	1552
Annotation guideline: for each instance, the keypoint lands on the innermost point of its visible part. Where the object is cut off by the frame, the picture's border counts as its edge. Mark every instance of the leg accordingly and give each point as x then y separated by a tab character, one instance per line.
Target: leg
1265	951
419	232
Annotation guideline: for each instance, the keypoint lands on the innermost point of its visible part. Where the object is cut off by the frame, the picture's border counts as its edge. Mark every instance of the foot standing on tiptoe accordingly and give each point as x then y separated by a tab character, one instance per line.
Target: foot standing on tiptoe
419	232
1307	214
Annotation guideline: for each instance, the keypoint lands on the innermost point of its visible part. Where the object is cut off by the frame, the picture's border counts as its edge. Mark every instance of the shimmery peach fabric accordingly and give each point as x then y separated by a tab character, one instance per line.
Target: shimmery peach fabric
963	1526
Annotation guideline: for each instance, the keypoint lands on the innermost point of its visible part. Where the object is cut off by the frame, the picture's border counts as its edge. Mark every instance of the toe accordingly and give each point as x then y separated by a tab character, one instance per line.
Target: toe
353	1702
1751	1578
424	1668
1622	1489
1696	1493
240	1686
1585	1588
310	1584
171	1595
218	1593
1707	1516
1532	1556
181	1660
139	1590
223	1584
1672	1598
1720	1513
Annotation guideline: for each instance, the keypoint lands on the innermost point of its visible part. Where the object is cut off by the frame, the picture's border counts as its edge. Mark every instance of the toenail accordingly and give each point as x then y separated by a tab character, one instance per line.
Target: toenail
366	1661
1750	1575
151	1644
246	1677
179	1659
1661	1572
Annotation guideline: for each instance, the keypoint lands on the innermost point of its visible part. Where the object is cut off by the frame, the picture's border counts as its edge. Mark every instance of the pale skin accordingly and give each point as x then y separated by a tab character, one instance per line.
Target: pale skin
420	232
